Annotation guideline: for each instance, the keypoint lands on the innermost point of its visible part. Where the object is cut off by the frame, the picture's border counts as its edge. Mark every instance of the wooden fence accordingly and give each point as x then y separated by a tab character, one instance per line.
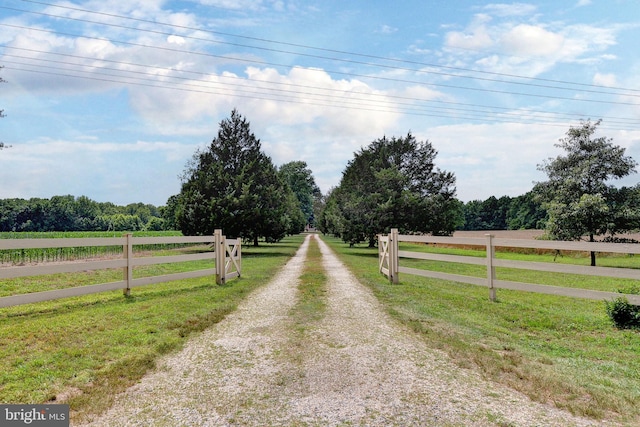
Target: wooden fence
389	263
226	255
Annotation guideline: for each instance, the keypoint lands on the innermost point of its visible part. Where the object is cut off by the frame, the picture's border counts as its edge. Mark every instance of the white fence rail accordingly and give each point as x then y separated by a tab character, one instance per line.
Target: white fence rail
389	263
226	255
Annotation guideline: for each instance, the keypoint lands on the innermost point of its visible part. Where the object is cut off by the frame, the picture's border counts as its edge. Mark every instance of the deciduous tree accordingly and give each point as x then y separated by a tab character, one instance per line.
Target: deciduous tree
578	195
300	179
394	183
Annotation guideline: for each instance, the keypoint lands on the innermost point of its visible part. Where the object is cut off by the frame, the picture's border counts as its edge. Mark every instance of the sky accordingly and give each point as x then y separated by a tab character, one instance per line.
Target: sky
111	99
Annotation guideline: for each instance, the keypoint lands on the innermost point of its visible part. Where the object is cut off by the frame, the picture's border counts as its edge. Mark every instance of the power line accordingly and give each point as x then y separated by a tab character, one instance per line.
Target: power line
349	61
303	89
370	102
389	79
322	102
307	47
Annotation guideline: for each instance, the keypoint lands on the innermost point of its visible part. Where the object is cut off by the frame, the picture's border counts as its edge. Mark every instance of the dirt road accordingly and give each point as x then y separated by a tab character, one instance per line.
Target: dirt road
355	366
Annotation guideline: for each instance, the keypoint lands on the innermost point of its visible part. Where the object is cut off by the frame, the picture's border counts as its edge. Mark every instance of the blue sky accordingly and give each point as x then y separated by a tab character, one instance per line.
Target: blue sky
110	99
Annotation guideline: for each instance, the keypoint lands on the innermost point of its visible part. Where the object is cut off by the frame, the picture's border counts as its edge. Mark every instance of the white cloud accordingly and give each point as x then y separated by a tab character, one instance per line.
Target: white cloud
301	97
488	160
387	29
176	40
605	79
528	49
529	40
513	9
475	37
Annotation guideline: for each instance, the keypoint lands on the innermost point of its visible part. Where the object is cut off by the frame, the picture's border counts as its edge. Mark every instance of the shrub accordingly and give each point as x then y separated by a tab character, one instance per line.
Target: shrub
623	314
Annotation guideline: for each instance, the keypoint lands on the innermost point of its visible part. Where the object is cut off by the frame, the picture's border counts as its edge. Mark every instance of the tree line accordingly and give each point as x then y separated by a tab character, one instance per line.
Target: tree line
393	182
523	212
69	213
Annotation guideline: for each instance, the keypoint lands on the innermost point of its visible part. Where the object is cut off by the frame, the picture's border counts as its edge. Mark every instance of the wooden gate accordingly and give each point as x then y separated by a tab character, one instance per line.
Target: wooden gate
228	257
388	255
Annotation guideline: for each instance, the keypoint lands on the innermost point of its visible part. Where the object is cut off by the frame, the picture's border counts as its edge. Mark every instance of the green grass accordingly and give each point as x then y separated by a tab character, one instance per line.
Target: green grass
89	348
311	303
562	351
310	307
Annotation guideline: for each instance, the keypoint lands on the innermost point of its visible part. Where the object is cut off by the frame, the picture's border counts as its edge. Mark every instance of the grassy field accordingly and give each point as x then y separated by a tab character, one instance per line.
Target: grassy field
557	350
84	350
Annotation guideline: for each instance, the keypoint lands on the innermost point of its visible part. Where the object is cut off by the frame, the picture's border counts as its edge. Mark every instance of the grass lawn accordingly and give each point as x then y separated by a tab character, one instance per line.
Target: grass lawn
84	350
558	350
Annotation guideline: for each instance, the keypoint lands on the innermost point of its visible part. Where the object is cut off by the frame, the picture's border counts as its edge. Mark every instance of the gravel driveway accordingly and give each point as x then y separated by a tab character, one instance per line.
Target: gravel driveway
355	366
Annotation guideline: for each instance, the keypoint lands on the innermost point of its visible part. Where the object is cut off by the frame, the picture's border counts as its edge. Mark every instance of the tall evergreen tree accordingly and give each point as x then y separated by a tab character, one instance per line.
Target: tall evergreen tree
234	186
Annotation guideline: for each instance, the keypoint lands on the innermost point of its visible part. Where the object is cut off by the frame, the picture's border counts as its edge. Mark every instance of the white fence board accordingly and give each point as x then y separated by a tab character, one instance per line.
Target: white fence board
226	268
60	293
66	267
565	292
172	239
172	258
390	253
443	257
444	276
143	281
61	243
621	273
471	241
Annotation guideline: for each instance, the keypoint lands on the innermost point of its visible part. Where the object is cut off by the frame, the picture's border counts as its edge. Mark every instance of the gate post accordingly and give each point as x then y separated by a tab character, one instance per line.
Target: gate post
221	253
491	270
393	256
128	270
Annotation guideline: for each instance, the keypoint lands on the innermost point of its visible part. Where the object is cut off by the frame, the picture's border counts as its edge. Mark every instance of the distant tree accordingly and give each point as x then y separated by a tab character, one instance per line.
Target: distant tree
490	214
294	220
234	186
393	183
624	203
155	224
120	222
329	217
169	213
68	213
300	179
526	213
578	196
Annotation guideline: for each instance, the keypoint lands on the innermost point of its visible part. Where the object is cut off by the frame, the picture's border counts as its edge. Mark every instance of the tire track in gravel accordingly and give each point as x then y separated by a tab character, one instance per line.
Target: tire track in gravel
353	366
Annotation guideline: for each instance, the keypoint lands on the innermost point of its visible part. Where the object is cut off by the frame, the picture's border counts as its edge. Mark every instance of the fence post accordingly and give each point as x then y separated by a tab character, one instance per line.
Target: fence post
221	253
393	256
127	251
491	270
239	256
